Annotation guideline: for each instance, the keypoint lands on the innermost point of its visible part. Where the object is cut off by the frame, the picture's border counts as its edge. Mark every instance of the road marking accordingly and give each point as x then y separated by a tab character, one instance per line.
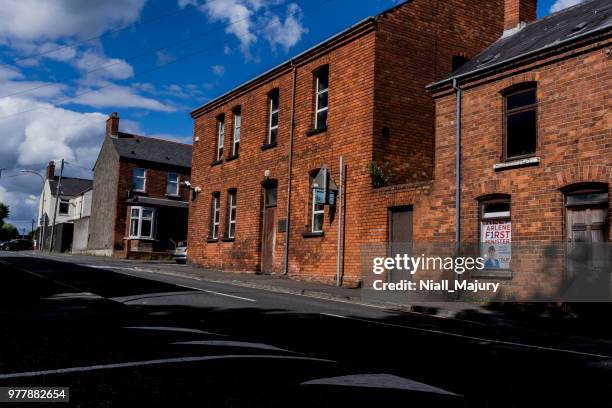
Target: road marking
224	343
479	339
172	329
387	381
136	269
155	362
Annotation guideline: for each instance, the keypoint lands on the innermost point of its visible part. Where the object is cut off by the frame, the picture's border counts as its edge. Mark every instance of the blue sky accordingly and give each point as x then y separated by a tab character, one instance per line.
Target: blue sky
65	65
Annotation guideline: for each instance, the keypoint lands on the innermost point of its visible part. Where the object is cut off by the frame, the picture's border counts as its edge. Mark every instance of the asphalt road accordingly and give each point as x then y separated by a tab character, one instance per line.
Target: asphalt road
121	335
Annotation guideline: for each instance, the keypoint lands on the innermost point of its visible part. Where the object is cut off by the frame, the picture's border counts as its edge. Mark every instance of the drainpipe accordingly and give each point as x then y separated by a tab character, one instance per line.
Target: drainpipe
290	167
457	168
339	202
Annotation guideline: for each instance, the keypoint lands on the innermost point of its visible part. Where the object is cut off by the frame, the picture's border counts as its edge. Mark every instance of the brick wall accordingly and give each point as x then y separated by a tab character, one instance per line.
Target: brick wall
378	72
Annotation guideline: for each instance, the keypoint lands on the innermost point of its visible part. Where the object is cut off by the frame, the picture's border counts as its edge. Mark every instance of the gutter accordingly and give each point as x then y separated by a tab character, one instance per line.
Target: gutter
458	107
550	47
290	167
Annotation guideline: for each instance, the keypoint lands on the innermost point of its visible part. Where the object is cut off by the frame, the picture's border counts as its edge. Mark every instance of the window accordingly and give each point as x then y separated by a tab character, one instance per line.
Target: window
220	137
273	119
215	215
520	123
142	222
172	184
495	233
321	101
231	213
236	133
317	209
64	207
139	179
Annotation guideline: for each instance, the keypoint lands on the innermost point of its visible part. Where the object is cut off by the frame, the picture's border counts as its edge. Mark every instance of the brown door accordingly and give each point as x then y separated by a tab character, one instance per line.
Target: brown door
400	238
269	230
587	254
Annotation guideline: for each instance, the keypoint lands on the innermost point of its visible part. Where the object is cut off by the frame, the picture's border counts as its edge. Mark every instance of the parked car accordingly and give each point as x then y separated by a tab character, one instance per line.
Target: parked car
180	253
18	245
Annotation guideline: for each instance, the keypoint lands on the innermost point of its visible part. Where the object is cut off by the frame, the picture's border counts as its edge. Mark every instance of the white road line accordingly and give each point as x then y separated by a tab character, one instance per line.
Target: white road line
509	343
173	329
212	292
154	362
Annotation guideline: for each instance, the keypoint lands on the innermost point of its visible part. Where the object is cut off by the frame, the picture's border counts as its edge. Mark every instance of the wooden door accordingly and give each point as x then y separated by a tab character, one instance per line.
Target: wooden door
269	230
587	253
400	237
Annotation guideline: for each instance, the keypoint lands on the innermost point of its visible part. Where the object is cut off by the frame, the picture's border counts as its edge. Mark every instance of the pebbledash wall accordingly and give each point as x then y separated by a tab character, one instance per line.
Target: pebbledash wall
379	110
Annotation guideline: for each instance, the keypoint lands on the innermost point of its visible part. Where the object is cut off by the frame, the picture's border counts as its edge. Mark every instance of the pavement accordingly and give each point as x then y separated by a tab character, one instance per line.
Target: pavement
126	333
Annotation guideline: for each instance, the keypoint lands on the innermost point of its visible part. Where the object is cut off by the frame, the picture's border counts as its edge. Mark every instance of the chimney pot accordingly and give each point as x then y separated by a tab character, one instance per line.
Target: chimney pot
112	125
517	12
50	170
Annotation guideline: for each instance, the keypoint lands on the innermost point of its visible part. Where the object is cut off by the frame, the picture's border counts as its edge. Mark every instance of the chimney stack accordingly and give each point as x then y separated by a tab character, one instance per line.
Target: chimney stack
112	125
518	12
50	170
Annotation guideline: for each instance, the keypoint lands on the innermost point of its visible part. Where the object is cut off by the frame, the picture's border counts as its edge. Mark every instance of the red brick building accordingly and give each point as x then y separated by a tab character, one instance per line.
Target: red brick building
140	202
535	128
259	149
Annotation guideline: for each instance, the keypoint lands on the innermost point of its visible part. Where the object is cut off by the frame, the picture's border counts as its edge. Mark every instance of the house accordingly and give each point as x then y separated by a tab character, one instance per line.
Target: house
267	154
71	213
535	129
140	195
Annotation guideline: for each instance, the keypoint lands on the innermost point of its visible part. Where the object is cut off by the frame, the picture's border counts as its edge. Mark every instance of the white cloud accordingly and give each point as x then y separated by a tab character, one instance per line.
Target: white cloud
561	4
285	33
39	20
95	65
116	96
218	70
249	19
164	58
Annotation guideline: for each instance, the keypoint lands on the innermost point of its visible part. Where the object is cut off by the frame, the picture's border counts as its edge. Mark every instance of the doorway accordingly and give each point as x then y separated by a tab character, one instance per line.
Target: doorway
269	229
400	238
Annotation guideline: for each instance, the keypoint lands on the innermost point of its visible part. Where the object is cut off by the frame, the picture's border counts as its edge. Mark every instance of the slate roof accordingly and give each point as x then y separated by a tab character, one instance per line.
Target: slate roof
152	150
70	186
566	26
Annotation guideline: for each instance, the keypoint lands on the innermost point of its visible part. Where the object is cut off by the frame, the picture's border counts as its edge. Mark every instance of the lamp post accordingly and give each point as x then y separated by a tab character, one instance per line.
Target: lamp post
41	235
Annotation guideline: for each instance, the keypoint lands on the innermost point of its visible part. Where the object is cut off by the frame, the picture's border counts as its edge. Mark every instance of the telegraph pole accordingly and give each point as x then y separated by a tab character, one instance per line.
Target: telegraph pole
57	200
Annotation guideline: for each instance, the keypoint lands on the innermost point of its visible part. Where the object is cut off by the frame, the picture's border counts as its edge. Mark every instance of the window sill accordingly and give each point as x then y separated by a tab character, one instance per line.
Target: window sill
513	164
316	131
268	146
492	274
174	196
216	162
227	239
308	234
232	157
211	240
141	238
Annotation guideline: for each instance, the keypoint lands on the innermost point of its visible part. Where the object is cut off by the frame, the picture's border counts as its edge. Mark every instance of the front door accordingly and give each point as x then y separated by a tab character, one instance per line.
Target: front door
400	238
587	251
269	230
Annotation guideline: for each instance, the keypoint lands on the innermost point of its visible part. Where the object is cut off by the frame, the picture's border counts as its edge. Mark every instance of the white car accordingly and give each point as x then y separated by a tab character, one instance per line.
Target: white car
180	253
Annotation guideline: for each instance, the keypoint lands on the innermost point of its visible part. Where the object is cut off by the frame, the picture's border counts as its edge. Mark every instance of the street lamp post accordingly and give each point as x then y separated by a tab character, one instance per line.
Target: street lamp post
41	235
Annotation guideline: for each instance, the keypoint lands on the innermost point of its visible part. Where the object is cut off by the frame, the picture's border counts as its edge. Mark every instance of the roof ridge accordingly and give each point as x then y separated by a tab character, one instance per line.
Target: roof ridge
156	138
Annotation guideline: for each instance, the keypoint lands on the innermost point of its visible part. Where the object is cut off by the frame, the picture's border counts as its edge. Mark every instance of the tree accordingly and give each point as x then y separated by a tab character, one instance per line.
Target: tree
8	232
4	213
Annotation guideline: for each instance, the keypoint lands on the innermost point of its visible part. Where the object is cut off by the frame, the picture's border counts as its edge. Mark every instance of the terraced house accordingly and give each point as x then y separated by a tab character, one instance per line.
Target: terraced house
267	154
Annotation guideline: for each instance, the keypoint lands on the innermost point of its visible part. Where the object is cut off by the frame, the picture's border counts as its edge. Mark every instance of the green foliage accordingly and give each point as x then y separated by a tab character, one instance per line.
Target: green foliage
4	213
8	232
380	173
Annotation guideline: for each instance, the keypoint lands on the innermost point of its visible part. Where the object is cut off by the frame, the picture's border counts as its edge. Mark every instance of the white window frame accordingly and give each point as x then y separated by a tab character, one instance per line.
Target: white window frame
176	184
220	137
143	177
319	92
232	219
216	216
140	217
236	133
316	212
272	113
59	207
